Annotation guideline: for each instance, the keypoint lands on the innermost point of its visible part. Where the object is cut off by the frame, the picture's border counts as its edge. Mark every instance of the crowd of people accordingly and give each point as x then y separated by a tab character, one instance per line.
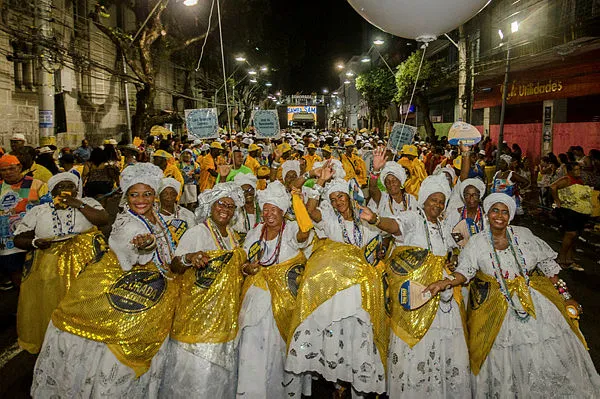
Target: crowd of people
252	268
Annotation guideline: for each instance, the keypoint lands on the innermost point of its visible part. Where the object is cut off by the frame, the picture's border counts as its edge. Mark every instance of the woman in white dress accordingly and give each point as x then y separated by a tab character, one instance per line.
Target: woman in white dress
62	237
431	361
248	216
107	337
339	339
468	219
276	262
201	359
178	218
524	337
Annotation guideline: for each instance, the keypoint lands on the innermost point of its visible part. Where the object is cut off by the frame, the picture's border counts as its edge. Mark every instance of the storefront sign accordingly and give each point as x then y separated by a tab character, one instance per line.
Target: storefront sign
517	89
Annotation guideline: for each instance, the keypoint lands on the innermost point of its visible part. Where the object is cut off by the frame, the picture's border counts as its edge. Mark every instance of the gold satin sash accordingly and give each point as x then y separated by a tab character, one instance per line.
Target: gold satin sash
487	310
332	268
47	277
415	264
131	312
282	281
209	300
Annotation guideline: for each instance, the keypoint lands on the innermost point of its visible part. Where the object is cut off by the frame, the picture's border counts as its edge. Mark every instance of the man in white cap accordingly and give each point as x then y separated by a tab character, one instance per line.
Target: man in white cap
17	141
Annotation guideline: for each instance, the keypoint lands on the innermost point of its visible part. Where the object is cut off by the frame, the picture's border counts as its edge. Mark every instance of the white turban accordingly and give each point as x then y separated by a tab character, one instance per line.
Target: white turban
275	194
506	158
245	178
289	166
475	182
207	198
65	176
169	182
446	169
338	168
141	172
434	184
336	185
394	169
494	198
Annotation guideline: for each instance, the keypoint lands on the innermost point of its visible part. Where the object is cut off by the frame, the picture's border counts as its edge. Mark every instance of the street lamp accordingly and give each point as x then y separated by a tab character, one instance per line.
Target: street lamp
340	66
347	82
239	58
253	80
264	69
325	91
190	3
365	59
268	84
252	72
378	42
335	93
349	74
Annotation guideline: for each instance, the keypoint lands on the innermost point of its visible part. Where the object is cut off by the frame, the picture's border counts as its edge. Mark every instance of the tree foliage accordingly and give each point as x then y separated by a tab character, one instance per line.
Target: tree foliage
378	88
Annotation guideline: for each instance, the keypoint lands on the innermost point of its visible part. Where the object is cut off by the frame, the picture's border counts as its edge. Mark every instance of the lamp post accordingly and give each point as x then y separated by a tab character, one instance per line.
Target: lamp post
514	27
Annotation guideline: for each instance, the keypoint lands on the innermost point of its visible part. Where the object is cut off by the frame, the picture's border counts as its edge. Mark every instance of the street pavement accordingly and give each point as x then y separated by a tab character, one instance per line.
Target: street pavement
16	366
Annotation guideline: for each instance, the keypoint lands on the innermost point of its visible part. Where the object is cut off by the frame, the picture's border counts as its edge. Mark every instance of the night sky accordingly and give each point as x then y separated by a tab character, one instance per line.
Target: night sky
320	32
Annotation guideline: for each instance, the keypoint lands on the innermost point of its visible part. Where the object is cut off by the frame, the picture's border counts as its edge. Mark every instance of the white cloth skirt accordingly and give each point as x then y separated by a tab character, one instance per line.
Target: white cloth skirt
537	358
199	371
70	366
261	352
189	194
437	366
336	341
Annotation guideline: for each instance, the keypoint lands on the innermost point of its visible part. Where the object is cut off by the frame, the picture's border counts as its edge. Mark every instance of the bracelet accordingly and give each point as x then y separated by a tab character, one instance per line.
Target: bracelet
318	189
375	173
562	289
377	220
244	272
275	165
313	194
183	259
374	176
150	246
306	175
33	244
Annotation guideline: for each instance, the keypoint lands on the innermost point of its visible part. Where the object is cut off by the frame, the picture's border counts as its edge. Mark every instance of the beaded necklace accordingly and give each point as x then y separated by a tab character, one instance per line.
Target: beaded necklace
57	225
497	267
357	233
475	226
427	234
263	246
247	217
218	238
405	202
165	246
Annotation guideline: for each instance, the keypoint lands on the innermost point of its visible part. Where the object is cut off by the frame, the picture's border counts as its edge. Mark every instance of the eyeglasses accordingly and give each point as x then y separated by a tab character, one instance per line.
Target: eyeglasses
249	190
225	205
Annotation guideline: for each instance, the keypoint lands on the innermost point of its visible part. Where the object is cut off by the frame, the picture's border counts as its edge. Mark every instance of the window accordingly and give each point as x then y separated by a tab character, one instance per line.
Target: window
24	60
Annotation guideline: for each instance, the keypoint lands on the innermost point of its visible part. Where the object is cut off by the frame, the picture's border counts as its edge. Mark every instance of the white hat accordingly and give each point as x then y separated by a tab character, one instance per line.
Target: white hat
495	198
221	190
247	141
275	194
18	137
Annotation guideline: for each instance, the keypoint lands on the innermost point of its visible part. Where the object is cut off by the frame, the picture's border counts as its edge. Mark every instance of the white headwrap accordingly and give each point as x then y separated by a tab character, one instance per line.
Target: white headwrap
475	182
141	172
394	169
169	182
336	185
494	198
275	194
336	165
207	198
288	166
446	169
506	158
65	176
245	178
433	184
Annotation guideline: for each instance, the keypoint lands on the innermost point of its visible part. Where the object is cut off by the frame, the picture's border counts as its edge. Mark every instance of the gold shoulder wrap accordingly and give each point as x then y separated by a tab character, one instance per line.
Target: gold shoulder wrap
282	281
209	300
332	268
131	312
47	277
415	264
487	310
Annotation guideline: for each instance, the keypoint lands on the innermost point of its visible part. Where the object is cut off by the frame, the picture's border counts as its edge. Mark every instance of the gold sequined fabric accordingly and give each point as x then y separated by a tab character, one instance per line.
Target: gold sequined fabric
282	281
334	267
47	276
414	264
576	197
131	312
209	300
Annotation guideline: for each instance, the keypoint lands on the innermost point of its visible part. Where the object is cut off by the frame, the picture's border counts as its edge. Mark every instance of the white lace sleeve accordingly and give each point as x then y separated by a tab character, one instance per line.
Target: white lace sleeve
124	229
536	251
29	221
467	261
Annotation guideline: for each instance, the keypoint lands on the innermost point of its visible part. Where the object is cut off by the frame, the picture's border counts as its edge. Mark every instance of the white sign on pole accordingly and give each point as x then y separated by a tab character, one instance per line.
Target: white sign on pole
202	123
401	134
266	123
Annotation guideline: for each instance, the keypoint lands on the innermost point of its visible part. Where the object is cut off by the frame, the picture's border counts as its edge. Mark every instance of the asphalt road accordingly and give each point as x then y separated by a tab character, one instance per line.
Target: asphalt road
16	366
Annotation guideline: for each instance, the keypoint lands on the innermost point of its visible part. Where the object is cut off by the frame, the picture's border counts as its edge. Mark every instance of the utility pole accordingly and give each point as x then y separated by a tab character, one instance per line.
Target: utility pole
45	74
503	108
462	74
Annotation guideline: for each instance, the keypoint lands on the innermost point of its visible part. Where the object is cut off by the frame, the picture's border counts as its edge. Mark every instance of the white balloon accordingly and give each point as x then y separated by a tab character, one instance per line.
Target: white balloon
422	20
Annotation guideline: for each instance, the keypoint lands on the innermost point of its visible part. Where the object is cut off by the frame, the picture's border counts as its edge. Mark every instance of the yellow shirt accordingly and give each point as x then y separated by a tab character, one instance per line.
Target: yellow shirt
253	164
310	160
352	166
38	172
206	180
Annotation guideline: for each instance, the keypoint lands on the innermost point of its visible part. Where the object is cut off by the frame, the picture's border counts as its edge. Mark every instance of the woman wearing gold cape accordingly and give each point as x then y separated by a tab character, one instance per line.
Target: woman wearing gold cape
427	352
202	355
63	238
524	339
339	321
276	263
107	337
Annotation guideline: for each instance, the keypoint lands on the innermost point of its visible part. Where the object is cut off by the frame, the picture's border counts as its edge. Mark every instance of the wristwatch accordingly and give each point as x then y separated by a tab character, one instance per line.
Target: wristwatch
82	205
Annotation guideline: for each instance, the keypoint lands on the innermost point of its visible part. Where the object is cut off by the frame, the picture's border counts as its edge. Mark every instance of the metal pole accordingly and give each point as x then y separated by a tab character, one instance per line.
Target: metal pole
503	109
45	75
224	75
127	111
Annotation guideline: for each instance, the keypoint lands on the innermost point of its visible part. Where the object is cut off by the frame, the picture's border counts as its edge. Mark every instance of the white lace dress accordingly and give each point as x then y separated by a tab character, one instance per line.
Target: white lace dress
261	349
72	366
438	365
199	370
336	340
540	357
